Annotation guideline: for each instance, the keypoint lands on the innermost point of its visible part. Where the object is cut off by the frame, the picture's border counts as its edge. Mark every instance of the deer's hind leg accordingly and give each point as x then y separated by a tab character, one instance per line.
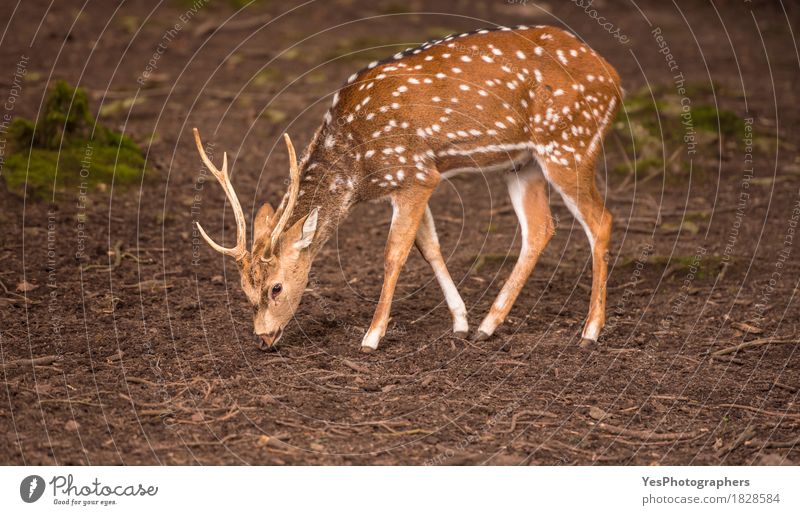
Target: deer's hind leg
528	191
573	176
578	188
428	245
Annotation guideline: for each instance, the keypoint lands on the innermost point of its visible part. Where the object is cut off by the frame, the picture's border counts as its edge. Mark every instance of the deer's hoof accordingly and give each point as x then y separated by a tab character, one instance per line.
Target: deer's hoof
480	336
460	334
587	344
366	350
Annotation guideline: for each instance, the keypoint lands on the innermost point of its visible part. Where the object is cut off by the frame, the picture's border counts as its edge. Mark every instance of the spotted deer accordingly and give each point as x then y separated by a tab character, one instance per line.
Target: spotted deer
532	102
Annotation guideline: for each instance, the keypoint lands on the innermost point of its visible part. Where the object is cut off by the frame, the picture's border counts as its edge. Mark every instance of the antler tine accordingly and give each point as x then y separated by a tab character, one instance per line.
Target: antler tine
289	201
240	250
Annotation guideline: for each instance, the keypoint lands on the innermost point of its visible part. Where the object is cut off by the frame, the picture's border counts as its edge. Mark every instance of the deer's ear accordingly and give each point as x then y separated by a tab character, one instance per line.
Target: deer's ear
264	222
301	234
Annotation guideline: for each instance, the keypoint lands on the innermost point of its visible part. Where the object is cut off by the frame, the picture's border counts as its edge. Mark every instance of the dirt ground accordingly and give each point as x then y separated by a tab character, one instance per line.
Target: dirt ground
125	340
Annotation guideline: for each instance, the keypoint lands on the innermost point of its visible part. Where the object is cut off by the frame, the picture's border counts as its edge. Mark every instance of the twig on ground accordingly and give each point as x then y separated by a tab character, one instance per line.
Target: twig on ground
651	443
561	446
743	437
355	366
752	343
142	403
728	359
776	444
470	344
118	255
40	361
223	418
196	443
297	426
516	416
759	410
73	401
155	412
406	432
647	434
139	380
150	283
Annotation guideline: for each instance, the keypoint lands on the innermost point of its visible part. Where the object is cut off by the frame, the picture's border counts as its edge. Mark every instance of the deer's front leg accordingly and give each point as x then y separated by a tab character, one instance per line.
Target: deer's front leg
408	207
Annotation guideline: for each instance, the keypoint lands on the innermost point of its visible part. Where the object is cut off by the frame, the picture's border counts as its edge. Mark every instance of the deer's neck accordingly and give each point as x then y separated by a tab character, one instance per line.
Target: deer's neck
330	189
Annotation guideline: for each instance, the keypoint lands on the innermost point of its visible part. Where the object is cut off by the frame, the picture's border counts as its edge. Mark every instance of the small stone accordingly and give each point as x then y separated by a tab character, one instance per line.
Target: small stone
597	414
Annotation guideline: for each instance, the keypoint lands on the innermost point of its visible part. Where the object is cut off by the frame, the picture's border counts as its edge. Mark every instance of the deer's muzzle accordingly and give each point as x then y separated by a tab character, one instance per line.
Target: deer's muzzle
269	341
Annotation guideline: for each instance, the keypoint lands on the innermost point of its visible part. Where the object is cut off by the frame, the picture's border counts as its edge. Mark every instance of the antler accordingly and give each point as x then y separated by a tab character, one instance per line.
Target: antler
240	250
290	199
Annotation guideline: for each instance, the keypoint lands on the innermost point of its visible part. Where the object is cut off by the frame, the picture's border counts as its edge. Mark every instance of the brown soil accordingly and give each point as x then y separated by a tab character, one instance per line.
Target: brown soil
151	360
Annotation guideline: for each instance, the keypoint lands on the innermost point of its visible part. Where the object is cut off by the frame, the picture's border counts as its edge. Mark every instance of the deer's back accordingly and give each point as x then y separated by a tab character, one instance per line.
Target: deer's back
473	101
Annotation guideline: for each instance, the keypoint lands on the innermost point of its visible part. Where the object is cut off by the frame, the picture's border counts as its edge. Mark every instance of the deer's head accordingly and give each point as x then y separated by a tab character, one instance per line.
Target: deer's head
274	273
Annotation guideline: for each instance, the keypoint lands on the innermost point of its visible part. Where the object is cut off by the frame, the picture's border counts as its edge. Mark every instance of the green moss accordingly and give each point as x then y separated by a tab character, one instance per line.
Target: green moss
268	77
705	266
65	148
650	127
648	164
119	107
640	101
707	117
662	108
274	115
130	24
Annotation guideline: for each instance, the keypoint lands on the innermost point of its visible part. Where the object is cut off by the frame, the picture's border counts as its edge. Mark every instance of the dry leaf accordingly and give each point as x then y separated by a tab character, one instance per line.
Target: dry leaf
25	286
71	425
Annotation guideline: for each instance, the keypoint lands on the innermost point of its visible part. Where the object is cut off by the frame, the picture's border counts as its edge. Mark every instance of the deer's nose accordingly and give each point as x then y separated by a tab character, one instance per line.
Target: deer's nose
269	341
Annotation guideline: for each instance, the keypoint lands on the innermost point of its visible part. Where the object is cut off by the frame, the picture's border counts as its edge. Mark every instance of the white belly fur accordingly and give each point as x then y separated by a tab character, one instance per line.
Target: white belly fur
516	162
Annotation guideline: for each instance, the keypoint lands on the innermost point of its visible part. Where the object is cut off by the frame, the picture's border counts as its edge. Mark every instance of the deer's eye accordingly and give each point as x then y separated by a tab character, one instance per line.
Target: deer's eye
276	290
